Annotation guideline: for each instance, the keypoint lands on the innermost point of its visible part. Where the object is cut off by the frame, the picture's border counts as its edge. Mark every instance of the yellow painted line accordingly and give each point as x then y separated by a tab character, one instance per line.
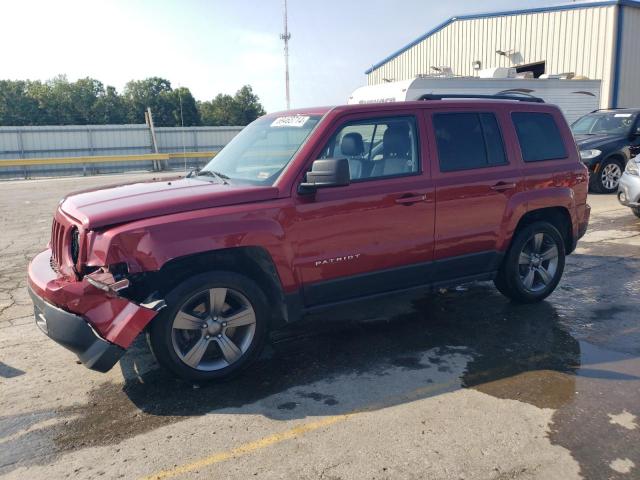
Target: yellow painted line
248	447
295	432
18	162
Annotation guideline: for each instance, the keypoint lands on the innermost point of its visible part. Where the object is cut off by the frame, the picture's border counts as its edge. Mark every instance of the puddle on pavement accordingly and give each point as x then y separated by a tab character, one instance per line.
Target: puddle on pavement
607	385
542	388
516	352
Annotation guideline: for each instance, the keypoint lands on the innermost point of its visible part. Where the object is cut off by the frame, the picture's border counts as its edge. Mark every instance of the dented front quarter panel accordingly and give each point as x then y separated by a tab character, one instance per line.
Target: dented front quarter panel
148	244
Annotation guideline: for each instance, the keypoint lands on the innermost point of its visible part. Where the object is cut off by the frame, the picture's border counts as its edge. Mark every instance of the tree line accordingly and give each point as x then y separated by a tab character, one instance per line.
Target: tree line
88	102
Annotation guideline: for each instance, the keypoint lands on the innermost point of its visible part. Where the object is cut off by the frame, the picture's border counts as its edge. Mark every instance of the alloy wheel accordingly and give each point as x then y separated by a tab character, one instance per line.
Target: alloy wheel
610	176
538	262
213	329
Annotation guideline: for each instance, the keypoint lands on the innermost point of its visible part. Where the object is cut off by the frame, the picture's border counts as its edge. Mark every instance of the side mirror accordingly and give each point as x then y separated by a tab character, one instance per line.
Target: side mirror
329	172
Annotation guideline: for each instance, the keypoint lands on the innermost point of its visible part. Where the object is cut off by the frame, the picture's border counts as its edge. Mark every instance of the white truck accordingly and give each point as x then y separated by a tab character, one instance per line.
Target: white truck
574	97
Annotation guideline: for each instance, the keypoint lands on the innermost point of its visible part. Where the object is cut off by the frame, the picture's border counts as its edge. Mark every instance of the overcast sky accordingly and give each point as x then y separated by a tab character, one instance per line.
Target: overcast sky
216	46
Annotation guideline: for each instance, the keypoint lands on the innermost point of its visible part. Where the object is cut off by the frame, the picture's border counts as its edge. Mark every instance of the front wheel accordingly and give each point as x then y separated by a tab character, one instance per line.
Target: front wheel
533	265
214	325
607	179
636	211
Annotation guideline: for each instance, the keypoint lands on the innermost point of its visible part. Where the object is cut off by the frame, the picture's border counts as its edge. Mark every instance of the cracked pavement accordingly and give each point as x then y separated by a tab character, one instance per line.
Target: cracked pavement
450	385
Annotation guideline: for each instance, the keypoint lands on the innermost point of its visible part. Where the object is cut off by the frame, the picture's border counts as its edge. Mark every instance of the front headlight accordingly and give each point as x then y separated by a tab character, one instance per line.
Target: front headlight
589	154
110	279
632	167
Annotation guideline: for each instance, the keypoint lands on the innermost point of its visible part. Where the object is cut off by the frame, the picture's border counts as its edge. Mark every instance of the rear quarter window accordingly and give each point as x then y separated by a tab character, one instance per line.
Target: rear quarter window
539	136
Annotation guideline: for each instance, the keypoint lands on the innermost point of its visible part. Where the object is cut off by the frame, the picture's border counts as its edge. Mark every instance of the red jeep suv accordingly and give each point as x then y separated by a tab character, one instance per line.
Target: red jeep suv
305	210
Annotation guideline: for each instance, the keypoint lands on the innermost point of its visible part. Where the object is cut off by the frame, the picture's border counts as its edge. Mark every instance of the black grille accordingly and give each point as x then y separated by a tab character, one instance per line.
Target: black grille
54	265
65	243
57	236
75	245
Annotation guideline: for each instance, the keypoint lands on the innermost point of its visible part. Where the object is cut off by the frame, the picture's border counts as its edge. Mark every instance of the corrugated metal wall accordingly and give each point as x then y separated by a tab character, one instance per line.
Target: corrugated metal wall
75	141
629	70
579	40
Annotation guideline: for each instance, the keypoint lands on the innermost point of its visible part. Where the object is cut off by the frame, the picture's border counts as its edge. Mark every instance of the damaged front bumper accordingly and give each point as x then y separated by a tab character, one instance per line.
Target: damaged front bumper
96	325
74	333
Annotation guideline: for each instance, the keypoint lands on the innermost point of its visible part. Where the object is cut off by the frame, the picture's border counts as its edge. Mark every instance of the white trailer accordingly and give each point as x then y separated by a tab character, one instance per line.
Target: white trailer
574	97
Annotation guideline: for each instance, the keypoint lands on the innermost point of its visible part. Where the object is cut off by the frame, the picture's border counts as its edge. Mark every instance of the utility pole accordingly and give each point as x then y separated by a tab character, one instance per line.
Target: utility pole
286	36
148	117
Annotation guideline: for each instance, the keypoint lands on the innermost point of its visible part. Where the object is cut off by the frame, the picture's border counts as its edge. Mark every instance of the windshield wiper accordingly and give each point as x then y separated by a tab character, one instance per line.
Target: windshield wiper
209	173
221	175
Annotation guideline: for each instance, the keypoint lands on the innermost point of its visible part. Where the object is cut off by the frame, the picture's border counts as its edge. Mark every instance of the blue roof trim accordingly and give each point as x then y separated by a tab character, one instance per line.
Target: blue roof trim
617	58
554	8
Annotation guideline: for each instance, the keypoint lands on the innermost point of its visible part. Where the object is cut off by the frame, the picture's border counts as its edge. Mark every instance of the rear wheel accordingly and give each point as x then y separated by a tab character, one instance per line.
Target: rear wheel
607	179
636	211
533	265
214	325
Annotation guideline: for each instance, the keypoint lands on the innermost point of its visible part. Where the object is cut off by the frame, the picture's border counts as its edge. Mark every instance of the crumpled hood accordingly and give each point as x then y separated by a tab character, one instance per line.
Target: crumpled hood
595	141
135	201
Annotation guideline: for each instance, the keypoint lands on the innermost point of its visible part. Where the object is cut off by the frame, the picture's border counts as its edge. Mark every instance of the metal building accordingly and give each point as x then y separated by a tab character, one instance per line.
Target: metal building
597	40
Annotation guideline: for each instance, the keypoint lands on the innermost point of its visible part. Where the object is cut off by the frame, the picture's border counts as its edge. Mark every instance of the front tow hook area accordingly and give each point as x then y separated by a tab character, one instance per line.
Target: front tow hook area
74	333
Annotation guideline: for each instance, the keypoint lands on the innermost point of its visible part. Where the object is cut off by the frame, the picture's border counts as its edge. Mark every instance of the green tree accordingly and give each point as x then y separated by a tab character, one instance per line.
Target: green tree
155	93
186	108
83	96
248	106
241	109
61	102
39	93
219	111
16	106
86	101
109	108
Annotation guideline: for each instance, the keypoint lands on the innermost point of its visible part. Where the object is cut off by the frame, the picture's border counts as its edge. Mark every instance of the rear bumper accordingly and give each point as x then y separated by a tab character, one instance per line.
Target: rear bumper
582	226
74	333
584	214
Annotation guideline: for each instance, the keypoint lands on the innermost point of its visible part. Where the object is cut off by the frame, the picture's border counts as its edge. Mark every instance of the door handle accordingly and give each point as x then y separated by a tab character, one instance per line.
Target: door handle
409	199
502	186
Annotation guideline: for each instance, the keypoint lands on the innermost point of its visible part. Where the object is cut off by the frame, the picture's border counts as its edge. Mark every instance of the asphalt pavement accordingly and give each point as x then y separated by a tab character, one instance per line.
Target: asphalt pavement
456	384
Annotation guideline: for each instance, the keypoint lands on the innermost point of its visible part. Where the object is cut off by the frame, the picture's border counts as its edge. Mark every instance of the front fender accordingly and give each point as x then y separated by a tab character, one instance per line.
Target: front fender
147	245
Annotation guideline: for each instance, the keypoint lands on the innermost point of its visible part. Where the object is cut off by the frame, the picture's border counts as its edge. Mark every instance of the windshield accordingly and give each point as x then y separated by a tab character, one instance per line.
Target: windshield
609	123
259	153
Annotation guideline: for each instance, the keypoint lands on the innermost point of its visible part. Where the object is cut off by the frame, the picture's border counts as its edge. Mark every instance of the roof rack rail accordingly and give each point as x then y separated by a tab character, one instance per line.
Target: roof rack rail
517	97
610	108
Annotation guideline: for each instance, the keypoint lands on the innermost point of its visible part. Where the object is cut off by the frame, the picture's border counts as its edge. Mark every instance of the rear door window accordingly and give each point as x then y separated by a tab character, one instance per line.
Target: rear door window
468	140
538	136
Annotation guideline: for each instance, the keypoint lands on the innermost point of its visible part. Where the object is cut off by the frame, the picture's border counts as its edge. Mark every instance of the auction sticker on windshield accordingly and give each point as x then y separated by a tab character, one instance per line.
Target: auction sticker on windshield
290	121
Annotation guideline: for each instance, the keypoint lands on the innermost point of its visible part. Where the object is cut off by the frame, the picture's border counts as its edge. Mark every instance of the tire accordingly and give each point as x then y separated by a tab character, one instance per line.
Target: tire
208	347
608	177
531	277
636	211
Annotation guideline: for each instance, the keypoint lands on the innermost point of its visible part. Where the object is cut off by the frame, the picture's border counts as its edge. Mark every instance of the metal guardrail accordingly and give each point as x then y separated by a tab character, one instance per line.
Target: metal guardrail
26	162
